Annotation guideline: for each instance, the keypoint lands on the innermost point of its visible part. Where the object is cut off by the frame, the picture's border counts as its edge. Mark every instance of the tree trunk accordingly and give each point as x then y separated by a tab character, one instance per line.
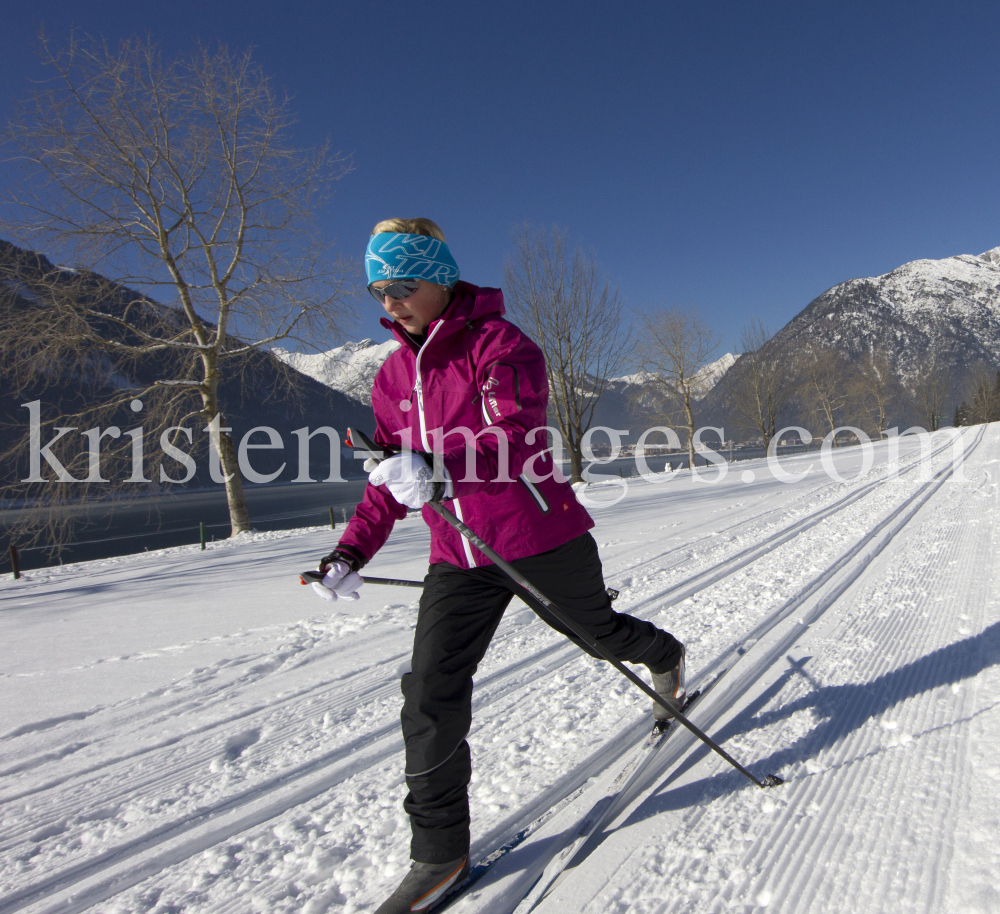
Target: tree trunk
690	425
830	420
575	461
239	517
767	433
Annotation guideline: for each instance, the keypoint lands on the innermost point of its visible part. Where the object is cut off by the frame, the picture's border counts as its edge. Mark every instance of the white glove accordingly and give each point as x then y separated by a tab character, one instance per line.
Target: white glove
410	480
340	583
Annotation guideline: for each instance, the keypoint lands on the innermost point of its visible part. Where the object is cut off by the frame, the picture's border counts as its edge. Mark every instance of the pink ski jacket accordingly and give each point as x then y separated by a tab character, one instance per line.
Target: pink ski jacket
479	372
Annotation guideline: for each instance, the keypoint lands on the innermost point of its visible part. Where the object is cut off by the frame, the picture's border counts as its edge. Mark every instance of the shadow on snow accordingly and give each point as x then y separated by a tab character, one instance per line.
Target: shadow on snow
841	709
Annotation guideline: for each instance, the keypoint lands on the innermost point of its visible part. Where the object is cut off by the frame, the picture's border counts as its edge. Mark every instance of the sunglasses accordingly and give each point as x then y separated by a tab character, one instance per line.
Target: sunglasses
401	288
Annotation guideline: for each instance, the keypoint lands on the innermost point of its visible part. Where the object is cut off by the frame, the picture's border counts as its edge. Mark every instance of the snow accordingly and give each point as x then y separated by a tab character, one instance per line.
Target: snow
704	380
942	312
350	368
991	256
708	376
187	731
964	287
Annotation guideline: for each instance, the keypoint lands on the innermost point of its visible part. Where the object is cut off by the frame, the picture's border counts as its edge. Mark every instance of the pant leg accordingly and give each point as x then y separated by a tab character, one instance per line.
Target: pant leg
571	576
460	610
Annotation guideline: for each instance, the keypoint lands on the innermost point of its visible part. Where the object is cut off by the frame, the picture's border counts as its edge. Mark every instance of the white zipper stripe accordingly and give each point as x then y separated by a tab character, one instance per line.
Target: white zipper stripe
465	543
420	390
426	442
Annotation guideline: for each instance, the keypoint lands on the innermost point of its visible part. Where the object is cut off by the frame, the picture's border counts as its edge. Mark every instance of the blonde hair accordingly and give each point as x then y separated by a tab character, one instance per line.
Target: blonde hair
417	226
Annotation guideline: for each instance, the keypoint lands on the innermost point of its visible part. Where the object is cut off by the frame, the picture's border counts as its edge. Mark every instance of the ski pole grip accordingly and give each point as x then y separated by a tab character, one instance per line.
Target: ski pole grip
359	441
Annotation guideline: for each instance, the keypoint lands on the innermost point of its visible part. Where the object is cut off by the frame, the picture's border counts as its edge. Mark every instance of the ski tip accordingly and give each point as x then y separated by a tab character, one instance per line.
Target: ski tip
772	780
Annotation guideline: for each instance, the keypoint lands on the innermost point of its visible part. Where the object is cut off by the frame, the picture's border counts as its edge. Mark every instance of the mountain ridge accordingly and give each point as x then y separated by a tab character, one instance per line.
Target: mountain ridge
944	310
253	394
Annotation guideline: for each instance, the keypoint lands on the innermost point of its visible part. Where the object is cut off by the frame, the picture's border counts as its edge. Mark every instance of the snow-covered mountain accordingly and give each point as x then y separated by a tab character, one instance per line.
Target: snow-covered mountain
623	398
251	397
709	376
350	368
948	310
704	380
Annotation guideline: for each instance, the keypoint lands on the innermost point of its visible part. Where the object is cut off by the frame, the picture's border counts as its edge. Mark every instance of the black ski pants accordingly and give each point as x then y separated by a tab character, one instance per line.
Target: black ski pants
460	610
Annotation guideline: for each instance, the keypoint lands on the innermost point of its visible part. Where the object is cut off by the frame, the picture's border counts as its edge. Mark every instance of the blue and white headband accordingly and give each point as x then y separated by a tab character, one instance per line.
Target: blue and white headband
394	255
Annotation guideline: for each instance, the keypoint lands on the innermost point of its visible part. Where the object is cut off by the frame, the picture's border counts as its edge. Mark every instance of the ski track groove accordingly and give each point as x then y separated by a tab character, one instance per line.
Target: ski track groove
386	735
843	562
379	690
783	510
928	718
918	499
222	694
811	888
208	752
729	566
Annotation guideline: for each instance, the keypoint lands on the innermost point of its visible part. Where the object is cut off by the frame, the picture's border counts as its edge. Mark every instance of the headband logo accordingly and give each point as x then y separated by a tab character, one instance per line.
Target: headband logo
422	246
411	256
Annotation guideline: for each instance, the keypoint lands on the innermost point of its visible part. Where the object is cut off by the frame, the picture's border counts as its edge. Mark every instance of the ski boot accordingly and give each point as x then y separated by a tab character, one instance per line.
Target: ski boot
670	686
425	886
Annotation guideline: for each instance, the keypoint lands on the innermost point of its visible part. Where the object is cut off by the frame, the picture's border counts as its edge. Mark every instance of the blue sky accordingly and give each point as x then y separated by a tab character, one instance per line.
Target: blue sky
743	157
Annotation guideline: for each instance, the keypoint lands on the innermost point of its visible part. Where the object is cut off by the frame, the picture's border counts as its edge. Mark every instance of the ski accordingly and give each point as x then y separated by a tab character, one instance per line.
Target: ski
631	772
608	806
661	730
495	856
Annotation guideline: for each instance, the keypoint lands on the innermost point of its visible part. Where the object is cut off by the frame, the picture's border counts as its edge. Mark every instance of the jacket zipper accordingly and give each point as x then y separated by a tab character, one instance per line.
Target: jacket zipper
426	443
420	390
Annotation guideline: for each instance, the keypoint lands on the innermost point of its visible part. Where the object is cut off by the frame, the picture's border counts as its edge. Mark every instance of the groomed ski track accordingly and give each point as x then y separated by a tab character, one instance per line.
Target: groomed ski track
232	795
741	668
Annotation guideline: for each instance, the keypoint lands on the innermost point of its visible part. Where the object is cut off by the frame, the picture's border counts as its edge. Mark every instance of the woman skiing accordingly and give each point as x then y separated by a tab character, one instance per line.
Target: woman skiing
466	392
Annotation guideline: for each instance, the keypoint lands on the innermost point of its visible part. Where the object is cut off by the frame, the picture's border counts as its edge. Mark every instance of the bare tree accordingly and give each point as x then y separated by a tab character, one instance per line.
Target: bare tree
561	300
875	392
178	178
930	391
984	393
825	376
674	346
759	384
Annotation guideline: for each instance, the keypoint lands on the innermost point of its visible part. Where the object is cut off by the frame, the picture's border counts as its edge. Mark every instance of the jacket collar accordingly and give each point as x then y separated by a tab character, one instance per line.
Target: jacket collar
470	304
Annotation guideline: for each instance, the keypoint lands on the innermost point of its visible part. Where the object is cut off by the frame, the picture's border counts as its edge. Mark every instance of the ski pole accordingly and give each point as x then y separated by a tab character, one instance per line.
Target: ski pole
402	582
307	577
392	581
770	780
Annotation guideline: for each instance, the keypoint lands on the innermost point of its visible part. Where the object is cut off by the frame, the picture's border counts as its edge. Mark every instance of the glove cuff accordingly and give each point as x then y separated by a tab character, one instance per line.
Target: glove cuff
353	559
439	488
